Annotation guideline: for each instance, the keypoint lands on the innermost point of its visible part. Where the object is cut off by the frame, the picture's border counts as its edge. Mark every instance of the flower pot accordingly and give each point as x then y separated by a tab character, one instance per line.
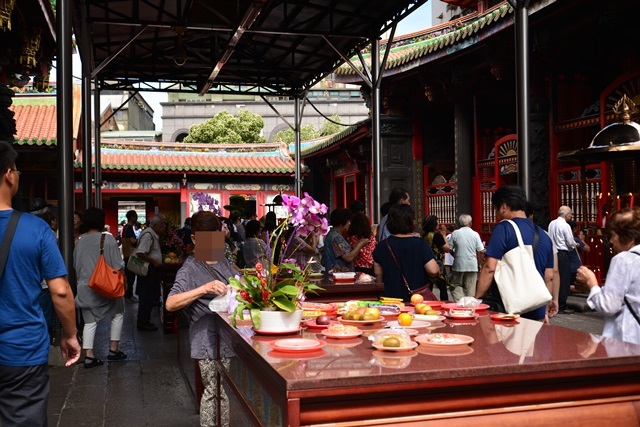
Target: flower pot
278	321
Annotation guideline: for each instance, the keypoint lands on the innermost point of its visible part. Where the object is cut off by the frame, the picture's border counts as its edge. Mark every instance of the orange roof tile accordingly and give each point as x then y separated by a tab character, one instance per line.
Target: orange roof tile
37	124
266	162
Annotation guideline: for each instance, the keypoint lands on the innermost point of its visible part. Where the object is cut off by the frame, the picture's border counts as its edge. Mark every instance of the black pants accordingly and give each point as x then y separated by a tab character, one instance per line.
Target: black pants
564	269
131	277
24	395
147	291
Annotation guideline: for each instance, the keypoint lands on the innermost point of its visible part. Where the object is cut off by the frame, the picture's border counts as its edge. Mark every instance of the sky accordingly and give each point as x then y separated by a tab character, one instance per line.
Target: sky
416	21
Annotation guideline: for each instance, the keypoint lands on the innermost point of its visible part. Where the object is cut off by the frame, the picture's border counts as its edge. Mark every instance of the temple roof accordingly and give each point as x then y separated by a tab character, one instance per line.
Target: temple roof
413	50
262	159
36	119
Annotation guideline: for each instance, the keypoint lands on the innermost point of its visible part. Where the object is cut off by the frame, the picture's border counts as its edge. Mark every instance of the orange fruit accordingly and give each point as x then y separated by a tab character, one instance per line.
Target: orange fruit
416	299
405	319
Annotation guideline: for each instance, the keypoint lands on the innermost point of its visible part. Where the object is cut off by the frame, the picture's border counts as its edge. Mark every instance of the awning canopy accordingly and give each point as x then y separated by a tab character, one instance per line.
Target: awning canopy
277	47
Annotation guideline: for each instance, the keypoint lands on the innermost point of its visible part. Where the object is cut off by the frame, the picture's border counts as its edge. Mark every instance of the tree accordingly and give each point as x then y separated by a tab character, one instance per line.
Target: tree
307	132
329	128
224	128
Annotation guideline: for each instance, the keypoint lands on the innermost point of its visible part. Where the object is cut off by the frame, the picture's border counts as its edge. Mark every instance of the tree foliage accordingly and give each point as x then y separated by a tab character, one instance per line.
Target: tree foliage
309	132
224	128
329	128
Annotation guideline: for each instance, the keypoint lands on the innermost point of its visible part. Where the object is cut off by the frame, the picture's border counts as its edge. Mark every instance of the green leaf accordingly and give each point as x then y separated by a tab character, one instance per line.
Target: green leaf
284	304
287	290
255	318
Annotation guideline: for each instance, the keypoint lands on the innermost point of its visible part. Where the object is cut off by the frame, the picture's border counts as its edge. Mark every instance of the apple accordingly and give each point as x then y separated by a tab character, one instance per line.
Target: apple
323	320
416	299
420	308
373	313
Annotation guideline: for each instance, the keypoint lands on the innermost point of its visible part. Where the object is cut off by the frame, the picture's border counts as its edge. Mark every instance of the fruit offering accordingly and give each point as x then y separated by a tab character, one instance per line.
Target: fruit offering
362	313
405	319
391	339
416	299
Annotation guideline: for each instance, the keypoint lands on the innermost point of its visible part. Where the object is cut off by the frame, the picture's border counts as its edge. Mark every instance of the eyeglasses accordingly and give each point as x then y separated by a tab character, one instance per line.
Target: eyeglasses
16	170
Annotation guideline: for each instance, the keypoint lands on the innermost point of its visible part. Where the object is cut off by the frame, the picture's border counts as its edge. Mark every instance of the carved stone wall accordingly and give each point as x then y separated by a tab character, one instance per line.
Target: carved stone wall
539	159
398	167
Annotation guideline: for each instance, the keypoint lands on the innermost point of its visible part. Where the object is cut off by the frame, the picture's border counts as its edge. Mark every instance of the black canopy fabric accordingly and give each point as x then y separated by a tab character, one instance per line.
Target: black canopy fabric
274	47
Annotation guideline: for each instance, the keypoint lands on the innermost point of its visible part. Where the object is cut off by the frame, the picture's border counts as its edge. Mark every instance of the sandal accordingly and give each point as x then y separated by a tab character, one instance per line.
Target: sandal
92	362
116	355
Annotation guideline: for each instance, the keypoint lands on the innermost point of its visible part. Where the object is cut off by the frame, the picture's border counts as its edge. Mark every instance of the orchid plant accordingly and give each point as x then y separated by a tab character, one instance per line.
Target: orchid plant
281	286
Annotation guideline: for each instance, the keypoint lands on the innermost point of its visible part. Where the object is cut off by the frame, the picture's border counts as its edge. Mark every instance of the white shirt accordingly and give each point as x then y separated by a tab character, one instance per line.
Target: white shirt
465	244
561	235
623	280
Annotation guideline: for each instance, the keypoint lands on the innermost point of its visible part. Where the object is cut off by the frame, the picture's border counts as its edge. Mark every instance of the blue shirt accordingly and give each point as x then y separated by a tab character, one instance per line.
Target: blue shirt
503	239
335	246
33	256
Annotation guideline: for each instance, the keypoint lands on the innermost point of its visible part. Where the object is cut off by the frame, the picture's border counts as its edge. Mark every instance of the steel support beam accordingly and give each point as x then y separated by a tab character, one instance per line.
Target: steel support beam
521	24
97	180
64	101
376	147
297	118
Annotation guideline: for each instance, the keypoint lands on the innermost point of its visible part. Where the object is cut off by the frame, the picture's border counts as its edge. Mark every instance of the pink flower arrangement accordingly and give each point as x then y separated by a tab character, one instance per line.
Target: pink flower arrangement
283	286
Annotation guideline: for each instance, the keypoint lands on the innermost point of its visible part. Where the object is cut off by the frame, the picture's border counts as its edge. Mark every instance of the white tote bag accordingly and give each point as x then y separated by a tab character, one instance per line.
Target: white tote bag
521	287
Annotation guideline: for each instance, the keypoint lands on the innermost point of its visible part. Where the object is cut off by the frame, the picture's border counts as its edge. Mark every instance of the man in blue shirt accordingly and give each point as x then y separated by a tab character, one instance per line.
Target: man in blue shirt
510	202
24	339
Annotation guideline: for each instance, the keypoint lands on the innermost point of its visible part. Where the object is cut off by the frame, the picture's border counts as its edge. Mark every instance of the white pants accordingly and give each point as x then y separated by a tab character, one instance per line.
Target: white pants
89	331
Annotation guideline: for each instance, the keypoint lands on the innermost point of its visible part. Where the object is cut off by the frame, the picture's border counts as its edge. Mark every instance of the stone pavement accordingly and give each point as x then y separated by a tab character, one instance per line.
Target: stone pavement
152	387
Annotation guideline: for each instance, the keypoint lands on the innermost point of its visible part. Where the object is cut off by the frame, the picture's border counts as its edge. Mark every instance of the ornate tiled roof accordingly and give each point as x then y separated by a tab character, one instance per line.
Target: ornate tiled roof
440	40
319	144
272	159
36	119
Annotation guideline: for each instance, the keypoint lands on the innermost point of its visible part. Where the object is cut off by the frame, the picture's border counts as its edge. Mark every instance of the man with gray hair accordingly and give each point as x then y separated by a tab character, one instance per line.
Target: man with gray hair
562	239
468	251
148	250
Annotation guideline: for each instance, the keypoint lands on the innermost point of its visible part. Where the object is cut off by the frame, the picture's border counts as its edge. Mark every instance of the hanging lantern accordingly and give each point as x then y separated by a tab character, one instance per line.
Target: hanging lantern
6	8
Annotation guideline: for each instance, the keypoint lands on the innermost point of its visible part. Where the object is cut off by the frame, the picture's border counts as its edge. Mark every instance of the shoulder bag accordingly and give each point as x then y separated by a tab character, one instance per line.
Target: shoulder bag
105	280
521	287
425	291
138	266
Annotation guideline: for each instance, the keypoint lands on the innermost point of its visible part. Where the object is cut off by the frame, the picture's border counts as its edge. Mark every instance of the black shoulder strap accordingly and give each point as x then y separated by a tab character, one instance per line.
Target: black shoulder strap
12	224
635	315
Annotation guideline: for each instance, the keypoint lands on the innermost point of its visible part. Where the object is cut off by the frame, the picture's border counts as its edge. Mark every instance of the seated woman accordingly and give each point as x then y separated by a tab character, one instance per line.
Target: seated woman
255	249
404	262
360	228
197	282
338	254
619	300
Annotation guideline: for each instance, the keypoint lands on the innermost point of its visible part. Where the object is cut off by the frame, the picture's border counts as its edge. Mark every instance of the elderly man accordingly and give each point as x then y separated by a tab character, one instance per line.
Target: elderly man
510	202
467	249
562	238
149	250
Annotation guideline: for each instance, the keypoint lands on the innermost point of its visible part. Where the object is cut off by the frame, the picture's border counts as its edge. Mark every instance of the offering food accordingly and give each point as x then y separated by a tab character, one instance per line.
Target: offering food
323	320
343	329
362	313
309	314
405	319
391	339
462	313
416	299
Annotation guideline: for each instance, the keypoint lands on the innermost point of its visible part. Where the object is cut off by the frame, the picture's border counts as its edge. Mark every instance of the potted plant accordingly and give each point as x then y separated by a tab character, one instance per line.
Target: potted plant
276	290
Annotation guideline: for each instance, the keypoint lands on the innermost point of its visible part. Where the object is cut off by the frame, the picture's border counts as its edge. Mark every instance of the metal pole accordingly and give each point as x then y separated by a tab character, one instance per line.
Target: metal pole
297	119
522	93
98	164
87	188
375	130
64	102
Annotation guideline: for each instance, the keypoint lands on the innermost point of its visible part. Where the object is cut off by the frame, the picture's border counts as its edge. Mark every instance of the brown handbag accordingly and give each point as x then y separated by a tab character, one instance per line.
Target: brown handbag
105	280
425	290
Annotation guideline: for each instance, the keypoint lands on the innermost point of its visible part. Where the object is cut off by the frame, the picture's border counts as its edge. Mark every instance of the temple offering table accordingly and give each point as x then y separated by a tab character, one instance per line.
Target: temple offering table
516	373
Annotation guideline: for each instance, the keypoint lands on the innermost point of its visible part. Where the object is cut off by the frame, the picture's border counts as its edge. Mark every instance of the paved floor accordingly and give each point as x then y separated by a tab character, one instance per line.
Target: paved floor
149	388
154	386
